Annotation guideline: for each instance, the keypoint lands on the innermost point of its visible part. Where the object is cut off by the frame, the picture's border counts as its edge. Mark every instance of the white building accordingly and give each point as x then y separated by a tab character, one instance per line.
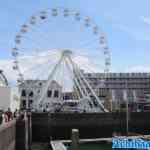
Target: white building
31	92
5	97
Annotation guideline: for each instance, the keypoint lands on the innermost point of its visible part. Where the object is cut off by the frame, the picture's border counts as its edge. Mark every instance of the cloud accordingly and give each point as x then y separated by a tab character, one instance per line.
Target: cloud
136	33
138	69
29	62
145	19
134	30
39	67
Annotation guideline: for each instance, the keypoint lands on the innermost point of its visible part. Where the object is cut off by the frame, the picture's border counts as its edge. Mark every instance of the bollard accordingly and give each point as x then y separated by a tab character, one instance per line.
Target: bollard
22	133
30	129
75	139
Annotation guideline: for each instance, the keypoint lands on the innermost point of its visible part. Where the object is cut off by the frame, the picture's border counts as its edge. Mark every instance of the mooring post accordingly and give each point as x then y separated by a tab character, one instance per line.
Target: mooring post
75	139
30	128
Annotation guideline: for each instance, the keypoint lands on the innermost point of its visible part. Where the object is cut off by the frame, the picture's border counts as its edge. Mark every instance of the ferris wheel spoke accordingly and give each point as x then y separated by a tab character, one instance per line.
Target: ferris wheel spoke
85	19
87	63
75	87
76	81
42	73
43	35
88	43
36	67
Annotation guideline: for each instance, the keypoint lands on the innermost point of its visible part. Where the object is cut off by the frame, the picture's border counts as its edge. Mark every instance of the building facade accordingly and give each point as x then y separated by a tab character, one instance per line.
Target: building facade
114	89
117	88
31	90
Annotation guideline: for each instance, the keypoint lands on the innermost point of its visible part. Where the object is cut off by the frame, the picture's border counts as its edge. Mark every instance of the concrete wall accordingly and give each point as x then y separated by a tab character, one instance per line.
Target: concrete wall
59	126
23	134
7	136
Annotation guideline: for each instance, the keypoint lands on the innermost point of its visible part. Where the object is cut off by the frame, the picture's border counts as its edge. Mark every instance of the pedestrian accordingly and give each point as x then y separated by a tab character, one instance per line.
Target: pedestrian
9	114
4	118
16	113
21	115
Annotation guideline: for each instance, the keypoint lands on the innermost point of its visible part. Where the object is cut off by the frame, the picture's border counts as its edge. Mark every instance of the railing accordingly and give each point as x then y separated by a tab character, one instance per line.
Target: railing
8	135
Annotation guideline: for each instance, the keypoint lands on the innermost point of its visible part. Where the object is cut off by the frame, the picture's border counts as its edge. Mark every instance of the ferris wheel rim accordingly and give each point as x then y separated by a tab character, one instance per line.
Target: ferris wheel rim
66	12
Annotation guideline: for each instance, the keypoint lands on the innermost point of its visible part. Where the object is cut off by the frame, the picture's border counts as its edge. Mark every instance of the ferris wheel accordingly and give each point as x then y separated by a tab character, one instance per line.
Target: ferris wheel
39	45
3	79
34	25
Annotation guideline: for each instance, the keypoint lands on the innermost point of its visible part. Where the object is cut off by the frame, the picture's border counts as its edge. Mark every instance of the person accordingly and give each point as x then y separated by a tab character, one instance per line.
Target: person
16	113
9	114
21	114
4	118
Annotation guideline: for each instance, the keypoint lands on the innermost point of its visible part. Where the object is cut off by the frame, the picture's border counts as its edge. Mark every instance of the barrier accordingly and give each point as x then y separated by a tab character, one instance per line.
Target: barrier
98	125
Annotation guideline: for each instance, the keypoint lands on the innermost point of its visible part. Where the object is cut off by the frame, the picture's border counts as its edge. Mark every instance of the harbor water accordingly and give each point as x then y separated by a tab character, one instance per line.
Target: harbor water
98	146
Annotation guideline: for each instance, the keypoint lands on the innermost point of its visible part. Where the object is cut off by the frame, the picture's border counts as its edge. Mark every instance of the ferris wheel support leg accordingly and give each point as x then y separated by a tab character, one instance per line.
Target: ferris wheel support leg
93	92
50	78
84	87
76	81
80	83
97	99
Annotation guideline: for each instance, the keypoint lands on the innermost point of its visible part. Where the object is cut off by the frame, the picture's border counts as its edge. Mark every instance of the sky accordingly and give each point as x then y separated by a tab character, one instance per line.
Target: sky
125	22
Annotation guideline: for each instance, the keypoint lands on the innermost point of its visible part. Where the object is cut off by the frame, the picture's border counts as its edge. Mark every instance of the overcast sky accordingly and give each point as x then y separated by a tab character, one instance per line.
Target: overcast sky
126	23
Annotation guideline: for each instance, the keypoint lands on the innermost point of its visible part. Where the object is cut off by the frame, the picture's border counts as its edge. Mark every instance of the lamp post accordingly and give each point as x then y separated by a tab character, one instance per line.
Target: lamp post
127	109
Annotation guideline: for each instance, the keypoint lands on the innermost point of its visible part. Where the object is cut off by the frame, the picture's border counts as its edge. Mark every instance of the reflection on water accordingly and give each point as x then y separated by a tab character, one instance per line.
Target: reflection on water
92	146
98	146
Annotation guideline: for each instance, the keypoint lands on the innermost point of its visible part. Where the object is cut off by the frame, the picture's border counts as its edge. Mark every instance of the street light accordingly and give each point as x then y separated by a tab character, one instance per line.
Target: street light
127	108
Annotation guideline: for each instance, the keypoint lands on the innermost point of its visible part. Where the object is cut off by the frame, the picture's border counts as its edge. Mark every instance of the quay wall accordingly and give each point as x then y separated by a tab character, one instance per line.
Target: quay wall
59	125
8	136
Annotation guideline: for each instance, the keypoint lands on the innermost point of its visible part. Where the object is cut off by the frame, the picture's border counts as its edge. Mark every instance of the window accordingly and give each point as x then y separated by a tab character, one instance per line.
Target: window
31	94
23	93
56	94
30	101
24	103
40	84
49	93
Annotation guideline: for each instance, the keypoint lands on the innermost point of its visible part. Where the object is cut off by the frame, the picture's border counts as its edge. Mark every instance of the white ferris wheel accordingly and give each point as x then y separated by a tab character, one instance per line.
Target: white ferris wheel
57	44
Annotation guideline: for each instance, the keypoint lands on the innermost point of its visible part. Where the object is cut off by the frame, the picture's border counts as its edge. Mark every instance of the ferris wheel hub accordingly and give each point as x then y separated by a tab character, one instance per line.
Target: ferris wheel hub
66	53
